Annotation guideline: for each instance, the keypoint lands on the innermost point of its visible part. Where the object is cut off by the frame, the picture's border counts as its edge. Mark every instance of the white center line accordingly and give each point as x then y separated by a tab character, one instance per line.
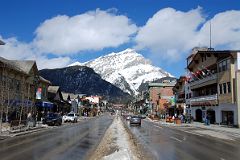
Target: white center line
176	139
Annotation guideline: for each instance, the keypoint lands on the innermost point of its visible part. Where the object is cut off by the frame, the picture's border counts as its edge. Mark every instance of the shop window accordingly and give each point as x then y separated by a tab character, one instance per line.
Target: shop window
224	66
224	88
220	67
228	63
229	87
220	88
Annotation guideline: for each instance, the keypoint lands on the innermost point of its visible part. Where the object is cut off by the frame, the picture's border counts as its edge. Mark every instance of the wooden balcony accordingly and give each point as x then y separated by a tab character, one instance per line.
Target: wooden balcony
211	79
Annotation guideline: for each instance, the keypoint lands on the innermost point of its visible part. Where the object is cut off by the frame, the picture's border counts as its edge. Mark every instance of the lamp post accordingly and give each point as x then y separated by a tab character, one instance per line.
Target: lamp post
1	43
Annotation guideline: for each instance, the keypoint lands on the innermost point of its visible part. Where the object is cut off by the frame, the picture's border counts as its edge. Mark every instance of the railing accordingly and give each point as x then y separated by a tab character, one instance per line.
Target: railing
203	80
204	98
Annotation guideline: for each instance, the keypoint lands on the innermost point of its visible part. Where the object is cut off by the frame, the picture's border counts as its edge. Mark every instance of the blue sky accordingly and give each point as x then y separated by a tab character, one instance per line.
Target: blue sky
163	31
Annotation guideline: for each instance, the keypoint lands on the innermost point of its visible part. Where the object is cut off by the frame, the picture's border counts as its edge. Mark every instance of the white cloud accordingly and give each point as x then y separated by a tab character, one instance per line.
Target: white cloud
171	34
16	50
169	31
59	62
92	30
225	31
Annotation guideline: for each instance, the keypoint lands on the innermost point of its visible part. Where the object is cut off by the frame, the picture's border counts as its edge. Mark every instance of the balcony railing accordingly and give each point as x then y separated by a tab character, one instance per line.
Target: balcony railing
203	80
204	98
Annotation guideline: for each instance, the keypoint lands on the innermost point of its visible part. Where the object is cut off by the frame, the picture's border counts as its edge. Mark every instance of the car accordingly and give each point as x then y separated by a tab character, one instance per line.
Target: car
52	119
135	120
143	116
70	117
128	117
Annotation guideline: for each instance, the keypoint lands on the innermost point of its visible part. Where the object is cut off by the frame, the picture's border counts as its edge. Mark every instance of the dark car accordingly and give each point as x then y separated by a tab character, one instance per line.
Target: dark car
52	119
135	120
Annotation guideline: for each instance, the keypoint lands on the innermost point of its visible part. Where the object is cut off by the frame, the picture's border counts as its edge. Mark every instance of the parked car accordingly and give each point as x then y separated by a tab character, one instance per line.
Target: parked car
52	119
135	120
143	116
70	117
128	117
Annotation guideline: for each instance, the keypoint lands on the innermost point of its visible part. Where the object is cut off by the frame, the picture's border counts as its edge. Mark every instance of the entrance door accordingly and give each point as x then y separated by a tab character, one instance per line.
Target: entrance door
199	115
227	117
211	114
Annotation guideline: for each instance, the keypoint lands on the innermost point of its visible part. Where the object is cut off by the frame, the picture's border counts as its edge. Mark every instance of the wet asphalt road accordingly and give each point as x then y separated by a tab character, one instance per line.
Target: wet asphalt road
67	142
166	143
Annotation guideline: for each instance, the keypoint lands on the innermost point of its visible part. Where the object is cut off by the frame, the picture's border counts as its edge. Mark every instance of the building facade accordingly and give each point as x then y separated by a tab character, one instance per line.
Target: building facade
212	81
179	92
18	81
161	97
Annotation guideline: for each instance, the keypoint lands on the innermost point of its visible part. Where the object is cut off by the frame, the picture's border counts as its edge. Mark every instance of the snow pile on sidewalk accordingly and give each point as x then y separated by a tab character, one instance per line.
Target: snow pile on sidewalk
116	144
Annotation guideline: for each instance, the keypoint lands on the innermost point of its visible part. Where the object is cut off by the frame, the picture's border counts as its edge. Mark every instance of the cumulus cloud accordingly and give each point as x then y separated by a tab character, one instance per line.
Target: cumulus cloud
14	49
92	30
171	34
17	50
169	31
58	62
225	31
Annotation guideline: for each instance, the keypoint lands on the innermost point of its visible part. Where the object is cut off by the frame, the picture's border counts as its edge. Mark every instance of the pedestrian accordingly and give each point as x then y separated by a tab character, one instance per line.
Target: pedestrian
173	118
207	120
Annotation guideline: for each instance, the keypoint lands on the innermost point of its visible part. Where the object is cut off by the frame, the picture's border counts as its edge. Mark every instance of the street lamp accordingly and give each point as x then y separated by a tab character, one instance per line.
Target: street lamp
1	113
2	43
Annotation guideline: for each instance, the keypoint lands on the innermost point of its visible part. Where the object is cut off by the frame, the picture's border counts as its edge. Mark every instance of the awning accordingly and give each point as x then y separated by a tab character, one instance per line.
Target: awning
44	104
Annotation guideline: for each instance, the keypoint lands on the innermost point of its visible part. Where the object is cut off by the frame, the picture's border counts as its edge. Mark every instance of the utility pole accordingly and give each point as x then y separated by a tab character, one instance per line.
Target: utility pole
2	92
237	96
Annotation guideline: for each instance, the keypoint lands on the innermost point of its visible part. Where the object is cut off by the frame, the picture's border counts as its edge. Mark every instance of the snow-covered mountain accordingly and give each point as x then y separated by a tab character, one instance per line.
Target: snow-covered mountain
126	69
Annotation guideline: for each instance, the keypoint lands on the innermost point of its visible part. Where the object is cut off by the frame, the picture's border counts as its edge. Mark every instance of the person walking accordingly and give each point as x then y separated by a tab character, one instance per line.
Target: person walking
207	121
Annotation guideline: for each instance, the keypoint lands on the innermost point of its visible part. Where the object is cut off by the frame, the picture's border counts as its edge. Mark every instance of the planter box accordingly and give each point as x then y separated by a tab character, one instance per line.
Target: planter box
178	121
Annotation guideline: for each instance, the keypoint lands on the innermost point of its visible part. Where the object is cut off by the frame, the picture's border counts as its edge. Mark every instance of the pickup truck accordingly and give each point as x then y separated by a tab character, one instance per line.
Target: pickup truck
70	117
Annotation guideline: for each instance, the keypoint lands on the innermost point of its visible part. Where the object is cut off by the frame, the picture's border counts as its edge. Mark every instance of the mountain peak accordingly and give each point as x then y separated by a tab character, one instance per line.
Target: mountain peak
126	69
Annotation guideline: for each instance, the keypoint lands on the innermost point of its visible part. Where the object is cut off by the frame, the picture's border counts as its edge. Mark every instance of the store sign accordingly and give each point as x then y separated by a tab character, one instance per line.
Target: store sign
39	93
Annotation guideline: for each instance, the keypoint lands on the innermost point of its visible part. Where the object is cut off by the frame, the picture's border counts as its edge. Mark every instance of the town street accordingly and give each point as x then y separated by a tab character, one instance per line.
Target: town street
105	137
70	141
169	143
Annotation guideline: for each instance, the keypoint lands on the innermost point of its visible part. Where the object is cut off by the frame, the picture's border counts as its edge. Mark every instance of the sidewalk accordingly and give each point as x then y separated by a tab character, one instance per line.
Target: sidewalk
21	130
198	125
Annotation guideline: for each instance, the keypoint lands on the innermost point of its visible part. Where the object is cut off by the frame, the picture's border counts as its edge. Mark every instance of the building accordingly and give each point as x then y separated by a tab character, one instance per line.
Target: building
214	86
42	103
179	92
18	81
74	100
59	104
161	97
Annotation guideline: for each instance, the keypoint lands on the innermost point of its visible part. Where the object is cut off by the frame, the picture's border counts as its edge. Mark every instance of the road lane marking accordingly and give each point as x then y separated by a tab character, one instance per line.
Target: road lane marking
176	139
157	126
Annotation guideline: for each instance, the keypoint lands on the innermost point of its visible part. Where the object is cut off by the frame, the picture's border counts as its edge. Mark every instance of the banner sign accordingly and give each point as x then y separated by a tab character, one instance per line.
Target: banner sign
39	93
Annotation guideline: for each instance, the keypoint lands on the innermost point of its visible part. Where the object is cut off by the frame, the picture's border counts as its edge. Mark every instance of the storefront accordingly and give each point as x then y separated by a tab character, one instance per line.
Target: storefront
227	117
43	107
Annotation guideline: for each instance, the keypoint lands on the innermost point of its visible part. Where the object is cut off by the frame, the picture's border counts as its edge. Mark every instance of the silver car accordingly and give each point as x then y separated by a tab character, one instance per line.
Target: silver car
135	120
